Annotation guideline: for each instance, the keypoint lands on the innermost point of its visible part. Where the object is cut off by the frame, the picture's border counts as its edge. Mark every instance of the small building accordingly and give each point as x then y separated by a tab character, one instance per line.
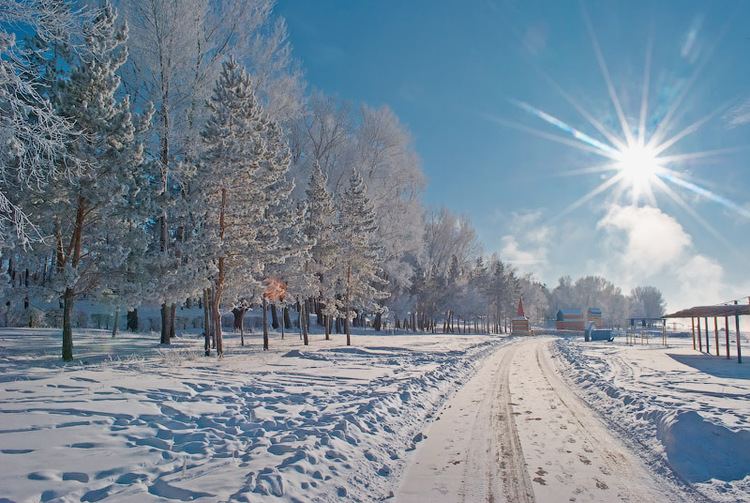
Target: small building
570	319
594	315
519	325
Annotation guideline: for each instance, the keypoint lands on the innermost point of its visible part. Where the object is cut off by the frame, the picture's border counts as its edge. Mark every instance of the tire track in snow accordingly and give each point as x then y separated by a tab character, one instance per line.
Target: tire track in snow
473	452
515	478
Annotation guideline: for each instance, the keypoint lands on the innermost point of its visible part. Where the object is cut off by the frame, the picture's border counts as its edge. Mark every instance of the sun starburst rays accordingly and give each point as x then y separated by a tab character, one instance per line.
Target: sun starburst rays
640	161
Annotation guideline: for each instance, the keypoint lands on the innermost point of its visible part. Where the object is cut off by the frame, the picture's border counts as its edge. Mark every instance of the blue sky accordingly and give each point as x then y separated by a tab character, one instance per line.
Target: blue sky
454	72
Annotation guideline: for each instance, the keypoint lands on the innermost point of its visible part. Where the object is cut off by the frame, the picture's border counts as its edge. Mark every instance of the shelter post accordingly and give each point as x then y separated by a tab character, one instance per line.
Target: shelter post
726	333
705	321
692	321
716	335
700	339
737	327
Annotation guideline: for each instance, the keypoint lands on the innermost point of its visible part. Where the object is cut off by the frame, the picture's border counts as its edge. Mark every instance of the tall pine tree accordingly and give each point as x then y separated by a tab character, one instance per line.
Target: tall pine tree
320	229
95	212
359	260
242	172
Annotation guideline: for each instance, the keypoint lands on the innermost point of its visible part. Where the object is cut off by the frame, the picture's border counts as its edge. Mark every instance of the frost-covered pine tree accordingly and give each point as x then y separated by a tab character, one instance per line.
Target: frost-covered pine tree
94	213
242	172
358	261
320	229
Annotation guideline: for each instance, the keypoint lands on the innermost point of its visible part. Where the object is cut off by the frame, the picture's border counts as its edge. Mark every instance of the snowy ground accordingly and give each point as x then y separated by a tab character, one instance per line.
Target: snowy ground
405	418
687	414
131	422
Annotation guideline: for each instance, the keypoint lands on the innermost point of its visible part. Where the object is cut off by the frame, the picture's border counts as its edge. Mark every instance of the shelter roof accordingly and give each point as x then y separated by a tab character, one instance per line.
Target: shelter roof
711	311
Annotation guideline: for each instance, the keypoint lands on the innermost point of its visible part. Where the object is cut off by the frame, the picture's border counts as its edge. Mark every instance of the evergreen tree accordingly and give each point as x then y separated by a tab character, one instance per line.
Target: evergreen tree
358	263
243	176
95	212
320	229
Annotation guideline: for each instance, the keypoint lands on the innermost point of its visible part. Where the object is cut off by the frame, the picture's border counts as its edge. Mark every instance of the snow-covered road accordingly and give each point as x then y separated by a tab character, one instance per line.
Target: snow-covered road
517	432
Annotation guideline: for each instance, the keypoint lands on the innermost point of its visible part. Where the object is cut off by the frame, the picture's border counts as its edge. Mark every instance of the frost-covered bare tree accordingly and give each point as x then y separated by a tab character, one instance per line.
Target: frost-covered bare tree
32	134
391	169
450	241
337	137
535	297
448	235
646	301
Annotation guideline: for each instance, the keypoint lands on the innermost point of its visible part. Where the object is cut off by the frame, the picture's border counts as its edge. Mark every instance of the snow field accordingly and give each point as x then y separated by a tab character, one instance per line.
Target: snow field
687	414
139	423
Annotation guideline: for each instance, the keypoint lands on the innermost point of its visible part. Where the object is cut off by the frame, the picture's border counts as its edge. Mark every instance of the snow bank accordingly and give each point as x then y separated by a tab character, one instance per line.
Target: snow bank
701	451
686	414
315	423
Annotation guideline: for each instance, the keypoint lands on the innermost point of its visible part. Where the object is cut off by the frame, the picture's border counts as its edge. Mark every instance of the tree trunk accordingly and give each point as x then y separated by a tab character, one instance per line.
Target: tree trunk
265	323
347	306
67	338
306	316
218	336
305	336
287	318
319	312
164	323
239	322
132	320
219	282
206	324
116	324
211	325
327	323
172	320
69	294
274	317
378	323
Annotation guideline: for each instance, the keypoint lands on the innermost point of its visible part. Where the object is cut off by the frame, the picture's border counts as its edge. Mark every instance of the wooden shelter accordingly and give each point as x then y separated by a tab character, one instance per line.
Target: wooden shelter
700	315
519	325
570	319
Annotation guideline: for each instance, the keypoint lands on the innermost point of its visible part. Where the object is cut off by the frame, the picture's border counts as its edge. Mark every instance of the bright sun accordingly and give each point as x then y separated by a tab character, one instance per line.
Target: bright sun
639	165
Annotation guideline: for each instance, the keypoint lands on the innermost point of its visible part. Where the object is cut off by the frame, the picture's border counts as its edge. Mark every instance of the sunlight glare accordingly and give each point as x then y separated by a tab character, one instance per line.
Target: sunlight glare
639	166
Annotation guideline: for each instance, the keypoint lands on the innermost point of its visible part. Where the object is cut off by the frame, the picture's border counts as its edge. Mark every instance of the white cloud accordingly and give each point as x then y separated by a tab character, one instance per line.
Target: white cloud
644	239
535	39
526	246
739	114
644	245
691	47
